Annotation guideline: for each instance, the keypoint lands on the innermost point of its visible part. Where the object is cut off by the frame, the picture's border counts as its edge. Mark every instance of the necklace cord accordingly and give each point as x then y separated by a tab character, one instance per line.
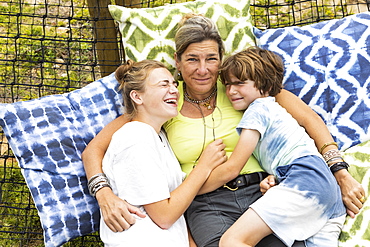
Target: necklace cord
206	103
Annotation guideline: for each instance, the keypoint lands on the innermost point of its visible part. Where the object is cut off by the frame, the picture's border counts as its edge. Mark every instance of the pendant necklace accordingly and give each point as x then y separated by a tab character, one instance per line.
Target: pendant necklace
204	102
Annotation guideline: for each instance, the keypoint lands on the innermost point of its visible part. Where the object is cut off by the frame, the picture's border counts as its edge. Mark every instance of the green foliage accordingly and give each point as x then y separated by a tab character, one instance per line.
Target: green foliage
274	14
15	204
42	54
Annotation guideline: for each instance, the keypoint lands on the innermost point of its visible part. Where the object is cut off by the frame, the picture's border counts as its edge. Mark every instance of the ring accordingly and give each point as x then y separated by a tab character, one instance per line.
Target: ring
362	199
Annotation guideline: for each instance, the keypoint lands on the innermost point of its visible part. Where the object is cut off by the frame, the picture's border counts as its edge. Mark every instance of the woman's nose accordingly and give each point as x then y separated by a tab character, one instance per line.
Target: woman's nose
202	69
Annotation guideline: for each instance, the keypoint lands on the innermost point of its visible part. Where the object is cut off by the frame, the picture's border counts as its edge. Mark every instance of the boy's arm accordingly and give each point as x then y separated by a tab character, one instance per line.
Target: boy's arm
231	168
318	131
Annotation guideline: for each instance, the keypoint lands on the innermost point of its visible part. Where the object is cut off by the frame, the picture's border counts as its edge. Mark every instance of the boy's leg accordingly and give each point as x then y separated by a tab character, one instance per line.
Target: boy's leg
245	233
329	234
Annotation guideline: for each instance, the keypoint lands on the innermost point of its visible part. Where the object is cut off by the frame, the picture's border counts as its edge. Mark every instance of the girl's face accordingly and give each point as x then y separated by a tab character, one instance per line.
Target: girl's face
199	66
241	93
160	97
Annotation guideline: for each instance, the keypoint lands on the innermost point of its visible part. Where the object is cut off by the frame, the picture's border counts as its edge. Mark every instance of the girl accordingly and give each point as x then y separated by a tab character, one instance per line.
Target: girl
140	165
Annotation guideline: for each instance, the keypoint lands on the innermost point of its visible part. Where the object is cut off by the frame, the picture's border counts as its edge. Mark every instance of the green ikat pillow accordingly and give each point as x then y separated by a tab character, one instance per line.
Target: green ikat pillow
148	33
356	232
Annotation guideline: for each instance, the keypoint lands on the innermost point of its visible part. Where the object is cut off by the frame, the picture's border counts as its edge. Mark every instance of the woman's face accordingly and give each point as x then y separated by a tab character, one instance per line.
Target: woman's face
161	94
199	66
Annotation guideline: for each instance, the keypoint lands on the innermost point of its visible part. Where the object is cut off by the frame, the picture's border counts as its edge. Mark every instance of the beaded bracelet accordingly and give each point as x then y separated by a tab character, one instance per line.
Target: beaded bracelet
339	166
327	144
334	153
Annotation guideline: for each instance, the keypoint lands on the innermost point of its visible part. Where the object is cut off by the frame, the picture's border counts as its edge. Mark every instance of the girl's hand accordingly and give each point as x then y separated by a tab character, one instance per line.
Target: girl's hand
213	155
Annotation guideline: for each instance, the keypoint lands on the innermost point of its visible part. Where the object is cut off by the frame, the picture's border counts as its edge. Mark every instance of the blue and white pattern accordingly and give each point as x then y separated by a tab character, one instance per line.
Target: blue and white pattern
47	136
328	66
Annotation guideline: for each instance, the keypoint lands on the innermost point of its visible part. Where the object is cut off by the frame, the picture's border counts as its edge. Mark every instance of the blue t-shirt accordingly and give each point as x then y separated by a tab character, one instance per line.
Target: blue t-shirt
282	138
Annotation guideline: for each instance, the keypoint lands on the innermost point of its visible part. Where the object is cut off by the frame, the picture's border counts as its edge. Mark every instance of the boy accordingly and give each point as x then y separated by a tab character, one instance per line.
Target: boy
306	204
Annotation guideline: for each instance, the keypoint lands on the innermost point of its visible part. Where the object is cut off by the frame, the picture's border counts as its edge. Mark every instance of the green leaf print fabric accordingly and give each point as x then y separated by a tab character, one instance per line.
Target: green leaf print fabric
148	33
356	232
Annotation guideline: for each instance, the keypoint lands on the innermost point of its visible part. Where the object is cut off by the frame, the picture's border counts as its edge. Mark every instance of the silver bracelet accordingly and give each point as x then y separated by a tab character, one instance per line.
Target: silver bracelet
97	182
93	182
334	160
98	187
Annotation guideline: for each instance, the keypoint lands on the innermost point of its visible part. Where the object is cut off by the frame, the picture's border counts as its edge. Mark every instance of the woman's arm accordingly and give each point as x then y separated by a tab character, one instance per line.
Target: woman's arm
191	240
230	169
316	128
166	212
116	212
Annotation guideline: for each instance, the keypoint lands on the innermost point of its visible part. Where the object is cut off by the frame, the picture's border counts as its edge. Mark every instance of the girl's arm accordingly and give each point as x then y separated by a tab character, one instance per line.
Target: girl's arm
166	212
316	128
117	213
230	169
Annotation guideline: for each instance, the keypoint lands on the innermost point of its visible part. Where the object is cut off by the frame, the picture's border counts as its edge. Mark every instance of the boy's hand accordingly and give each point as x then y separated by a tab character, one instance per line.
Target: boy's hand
267	183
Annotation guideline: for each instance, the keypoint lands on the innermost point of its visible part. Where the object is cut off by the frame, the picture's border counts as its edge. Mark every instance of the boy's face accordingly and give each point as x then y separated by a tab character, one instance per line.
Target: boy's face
241	93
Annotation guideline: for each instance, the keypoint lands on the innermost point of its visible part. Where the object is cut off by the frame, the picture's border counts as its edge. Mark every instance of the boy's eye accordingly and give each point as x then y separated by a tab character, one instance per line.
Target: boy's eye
234	83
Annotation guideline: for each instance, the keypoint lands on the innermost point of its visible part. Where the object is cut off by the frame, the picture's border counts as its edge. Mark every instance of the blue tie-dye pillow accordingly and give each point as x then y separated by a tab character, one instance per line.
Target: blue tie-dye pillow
328	66
47	136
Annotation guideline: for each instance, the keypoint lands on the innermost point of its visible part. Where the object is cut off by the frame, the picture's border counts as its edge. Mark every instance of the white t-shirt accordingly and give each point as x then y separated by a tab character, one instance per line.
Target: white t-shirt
142	169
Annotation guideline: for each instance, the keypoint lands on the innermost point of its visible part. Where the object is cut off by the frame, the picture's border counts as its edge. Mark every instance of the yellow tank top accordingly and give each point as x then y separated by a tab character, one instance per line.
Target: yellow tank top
189	136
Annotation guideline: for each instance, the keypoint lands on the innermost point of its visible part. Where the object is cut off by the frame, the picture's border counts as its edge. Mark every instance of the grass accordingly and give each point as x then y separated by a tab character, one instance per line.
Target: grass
42	51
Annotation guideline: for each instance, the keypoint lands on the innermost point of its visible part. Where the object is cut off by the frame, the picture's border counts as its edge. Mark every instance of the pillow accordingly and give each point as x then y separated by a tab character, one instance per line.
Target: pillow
47	136
148	33
356	231
328	66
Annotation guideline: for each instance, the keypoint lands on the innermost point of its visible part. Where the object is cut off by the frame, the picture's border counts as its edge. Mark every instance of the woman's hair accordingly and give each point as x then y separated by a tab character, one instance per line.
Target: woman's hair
195	28
132	76
263	67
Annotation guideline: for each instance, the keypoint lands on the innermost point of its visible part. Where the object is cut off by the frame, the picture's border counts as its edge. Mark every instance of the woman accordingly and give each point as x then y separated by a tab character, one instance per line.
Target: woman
206	114
143	169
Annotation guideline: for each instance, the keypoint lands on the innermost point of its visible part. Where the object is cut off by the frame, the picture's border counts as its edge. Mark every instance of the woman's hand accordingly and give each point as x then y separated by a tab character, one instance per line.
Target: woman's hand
267	183
213	155
117	213
352	192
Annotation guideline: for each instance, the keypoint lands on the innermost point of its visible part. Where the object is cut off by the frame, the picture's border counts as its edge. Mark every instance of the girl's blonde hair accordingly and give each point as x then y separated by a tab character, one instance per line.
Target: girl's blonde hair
132	76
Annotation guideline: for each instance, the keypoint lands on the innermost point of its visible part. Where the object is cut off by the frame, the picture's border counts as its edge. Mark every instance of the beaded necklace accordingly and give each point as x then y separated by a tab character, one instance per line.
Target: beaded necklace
206	102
